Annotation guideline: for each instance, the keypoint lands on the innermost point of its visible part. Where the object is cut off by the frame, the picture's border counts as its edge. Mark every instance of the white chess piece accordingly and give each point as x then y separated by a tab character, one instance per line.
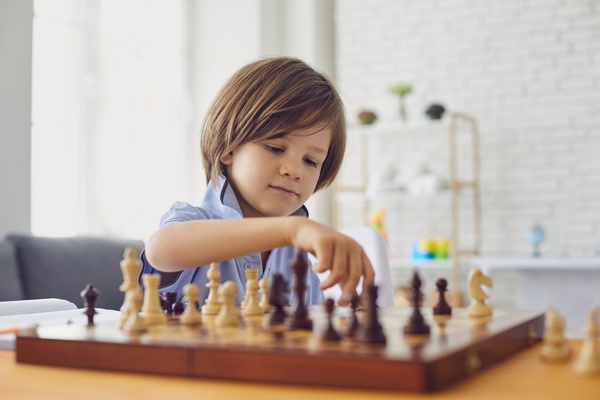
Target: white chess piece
212	305
151	309
263	286
135	323
588	360
478	307
555	347
252	306
191	316
229	314
130	266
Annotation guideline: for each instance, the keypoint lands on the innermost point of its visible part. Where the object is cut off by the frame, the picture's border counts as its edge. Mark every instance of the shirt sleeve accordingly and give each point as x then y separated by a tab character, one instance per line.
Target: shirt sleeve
181	212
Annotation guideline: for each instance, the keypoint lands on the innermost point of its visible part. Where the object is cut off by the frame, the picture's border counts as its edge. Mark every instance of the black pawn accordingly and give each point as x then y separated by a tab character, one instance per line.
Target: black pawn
89	296
371	330
169	298
177	308
416	324
330	334
353	324
442	307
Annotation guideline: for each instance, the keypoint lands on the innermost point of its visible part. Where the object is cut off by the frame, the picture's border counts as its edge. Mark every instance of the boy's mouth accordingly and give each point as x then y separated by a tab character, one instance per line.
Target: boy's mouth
285	191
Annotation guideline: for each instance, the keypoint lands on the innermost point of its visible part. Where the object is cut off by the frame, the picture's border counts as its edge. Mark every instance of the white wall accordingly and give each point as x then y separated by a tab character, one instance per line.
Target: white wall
529	71
15	114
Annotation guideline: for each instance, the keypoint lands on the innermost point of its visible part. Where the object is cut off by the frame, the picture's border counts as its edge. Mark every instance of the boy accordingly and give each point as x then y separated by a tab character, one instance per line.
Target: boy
275	134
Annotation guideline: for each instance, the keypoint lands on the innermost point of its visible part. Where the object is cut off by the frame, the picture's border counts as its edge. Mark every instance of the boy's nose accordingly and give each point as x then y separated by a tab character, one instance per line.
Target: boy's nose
291	170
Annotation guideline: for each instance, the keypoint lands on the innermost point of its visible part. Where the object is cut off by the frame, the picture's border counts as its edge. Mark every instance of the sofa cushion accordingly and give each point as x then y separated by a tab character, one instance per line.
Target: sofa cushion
62	267
10	282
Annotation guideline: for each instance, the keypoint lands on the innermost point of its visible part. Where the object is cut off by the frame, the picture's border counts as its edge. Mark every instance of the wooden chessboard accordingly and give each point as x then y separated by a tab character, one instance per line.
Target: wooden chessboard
453	351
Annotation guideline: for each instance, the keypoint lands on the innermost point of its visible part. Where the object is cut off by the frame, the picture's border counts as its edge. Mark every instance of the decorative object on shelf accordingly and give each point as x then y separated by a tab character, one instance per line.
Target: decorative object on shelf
367	117
376	219
401	89
535	236
435	111
430	249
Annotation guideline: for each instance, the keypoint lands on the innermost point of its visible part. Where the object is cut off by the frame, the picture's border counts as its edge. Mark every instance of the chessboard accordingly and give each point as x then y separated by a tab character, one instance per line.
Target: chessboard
456	347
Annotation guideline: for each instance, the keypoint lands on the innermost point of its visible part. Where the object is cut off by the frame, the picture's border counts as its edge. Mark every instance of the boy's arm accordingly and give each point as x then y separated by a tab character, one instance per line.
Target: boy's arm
189	244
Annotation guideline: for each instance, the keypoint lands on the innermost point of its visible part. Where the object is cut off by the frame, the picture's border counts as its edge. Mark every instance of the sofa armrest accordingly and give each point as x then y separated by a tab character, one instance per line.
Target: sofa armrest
62	267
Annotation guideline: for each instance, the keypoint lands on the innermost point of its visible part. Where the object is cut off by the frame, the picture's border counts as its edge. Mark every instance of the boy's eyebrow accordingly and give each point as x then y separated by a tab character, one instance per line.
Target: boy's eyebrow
318	149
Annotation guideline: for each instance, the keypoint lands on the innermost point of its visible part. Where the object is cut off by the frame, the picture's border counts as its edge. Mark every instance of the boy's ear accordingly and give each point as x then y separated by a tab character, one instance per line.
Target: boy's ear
226	159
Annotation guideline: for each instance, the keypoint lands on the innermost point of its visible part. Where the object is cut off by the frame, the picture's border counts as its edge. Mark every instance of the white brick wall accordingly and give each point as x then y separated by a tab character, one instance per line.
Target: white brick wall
529	71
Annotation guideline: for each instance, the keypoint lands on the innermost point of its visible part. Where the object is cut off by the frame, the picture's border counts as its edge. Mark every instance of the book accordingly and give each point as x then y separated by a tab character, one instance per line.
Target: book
25	314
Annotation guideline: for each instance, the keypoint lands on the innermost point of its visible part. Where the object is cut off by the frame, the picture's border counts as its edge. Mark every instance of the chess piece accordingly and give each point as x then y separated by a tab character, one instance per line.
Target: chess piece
371	330
277	299
169	299
588	359
129	306
555	347
353	323
442	307
212	305
89	296
151	309
130	266
229	314
330	334
252	306
135	323
299	318
191	315
416	323
263	287
478	307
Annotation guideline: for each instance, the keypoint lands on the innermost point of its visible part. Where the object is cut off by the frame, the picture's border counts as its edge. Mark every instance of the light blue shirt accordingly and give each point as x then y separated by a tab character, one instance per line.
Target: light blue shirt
221	203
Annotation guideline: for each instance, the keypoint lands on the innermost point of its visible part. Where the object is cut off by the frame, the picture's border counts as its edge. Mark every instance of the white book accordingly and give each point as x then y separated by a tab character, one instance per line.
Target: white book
44	312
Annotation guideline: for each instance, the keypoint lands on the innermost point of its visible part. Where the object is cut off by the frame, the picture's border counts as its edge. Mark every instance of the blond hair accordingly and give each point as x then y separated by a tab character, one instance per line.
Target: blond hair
268	99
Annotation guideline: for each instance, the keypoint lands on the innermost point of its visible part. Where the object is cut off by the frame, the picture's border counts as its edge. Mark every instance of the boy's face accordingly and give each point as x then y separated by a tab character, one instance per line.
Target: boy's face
275	177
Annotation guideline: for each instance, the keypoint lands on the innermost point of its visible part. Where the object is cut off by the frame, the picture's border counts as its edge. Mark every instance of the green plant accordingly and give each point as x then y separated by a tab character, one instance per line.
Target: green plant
401	89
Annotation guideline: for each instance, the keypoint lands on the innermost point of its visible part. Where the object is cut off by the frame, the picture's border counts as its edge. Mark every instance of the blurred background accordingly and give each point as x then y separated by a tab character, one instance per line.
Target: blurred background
102	101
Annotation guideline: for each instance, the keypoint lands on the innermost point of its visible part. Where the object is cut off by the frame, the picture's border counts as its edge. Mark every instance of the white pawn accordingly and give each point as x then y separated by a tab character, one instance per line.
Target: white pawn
191	316
252	306
588	360
251	274
263	286
135	323
151	309
229	314
212	306
555	347
130	266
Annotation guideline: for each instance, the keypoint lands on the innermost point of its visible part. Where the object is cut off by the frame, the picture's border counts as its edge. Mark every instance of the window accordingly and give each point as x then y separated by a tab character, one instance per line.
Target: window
111	133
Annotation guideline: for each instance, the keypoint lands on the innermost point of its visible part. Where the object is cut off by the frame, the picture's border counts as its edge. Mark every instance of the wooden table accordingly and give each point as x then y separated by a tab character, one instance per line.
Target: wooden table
522	376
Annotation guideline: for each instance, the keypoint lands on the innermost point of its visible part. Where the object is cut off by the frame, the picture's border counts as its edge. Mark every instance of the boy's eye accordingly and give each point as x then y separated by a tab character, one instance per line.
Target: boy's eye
273	149
310	162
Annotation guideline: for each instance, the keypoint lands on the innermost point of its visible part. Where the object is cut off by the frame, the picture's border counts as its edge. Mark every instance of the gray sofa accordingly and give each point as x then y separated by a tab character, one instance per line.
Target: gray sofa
34	267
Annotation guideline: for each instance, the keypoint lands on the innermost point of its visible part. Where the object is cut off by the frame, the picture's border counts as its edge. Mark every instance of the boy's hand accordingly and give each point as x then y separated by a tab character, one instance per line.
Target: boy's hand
338	253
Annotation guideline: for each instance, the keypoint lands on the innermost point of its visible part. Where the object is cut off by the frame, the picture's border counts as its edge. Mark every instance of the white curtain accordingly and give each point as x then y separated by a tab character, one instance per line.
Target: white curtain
112	145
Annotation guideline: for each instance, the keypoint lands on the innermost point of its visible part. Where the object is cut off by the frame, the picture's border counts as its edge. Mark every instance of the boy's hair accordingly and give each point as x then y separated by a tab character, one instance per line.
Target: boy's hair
269	99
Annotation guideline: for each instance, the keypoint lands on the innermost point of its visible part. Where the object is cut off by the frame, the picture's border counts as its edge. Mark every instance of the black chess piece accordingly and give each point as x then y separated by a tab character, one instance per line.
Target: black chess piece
353	323
90	295
277	298
371	330
442	307
330	334
299	318
416	323
169	298
177	308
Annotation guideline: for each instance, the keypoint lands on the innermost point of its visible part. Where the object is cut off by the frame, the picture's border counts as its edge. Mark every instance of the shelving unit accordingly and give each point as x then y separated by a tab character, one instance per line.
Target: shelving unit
461	135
